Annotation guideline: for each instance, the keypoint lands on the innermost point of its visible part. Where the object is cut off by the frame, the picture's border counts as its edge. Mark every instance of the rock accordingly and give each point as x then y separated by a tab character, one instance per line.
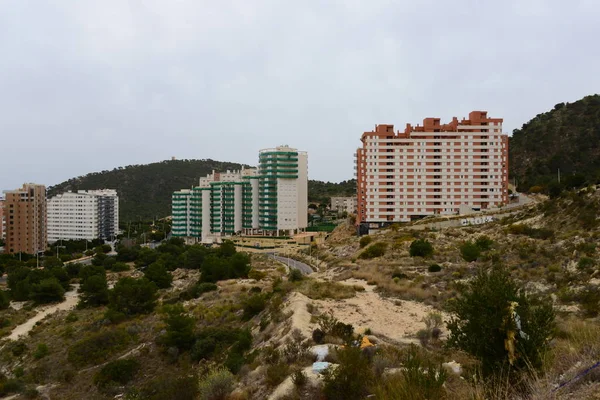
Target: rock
453	367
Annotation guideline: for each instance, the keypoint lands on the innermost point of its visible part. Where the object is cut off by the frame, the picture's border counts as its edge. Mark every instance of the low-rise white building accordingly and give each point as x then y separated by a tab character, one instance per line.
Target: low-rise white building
341	204
89	215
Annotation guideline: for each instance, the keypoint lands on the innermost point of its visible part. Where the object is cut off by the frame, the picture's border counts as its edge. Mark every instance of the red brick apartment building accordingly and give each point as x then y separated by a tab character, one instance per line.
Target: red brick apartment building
25	219
434	169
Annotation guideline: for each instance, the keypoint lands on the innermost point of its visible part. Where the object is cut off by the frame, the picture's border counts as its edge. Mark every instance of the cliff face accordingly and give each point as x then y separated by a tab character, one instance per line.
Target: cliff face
565	138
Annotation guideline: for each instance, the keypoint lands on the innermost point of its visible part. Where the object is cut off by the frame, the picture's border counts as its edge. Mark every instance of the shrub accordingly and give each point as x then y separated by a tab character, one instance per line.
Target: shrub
73	269
133	296
491	308
318	335
589	299
4	300
295	275
216	385
365	240
421	248
97	347
18	348
157	273
434	268
41	351
484	243
374	250
118	371
120	267
169	387
421	379
299	378
209	340
253	306
397	273
585	263
256	274
352	377
47	291
276	373
470	251
94	291
180	327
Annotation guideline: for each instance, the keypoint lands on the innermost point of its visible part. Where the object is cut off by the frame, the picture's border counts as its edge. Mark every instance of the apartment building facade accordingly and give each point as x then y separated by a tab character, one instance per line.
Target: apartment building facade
434	169
25	219
265	201
83	215
2	221
344	204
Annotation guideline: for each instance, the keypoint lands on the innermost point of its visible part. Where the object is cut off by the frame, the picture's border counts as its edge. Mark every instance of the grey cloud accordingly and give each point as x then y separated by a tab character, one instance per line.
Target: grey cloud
89	85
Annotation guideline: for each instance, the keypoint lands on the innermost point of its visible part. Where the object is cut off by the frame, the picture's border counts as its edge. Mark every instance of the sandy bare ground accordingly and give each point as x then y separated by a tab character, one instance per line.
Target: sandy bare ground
398	320
71	299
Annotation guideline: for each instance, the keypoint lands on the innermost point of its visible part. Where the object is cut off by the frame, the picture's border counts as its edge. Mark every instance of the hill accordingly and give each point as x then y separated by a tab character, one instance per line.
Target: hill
565	138
228	324
145	190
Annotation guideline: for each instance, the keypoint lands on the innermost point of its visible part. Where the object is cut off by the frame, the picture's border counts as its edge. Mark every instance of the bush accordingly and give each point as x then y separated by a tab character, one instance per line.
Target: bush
216	385
470	251
4	300
295	275
299	378
276	373
133	296
253	306
434	268
421	248
365	240
318	335
589	299
484	243
98	347
351	379
41	351
490	309
180	327
209	340
374	250
422	379
118	371
47	291
157	273
585	263
397	273
73	269
169	387
120	267
94	291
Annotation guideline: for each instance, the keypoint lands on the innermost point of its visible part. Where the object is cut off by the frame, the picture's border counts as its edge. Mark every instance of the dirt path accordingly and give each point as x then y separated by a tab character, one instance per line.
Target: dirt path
71	299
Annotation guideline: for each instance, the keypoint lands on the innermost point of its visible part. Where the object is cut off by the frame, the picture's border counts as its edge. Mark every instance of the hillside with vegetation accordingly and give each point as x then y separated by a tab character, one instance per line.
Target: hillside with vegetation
504	310
145	190
566	138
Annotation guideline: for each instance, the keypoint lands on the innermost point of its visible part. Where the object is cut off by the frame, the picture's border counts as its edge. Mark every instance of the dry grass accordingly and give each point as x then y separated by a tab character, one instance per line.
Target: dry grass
325	290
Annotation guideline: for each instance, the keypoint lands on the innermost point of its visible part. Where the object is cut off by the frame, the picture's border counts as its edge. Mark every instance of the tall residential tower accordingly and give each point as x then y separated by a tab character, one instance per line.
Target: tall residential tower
25	219
88	215
434	169
270	200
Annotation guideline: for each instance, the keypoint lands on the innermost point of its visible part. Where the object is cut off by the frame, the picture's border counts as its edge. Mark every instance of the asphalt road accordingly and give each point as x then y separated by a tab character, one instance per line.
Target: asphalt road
304	268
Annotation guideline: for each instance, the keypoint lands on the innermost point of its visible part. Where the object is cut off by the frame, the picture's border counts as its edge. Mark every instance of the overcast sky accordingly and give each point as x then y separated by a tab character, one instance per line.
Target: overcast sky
91	85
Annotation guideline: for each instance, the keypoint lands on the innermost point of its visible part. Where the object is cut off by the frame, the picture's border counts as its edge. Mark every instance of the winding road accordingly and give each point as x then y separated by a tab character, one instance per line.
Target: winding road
302	267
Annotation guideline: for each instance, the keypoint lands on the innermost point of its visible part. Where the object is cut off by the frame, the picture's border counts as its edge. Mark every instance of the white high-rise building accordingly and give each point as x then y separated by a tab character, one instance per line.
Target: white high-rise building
89	215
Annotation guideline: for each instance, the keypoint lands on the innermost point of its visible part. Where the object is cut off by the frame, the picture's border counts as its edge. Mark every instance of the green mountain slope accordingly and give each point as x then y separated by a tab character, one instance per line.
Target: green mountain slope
145	190
565	138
